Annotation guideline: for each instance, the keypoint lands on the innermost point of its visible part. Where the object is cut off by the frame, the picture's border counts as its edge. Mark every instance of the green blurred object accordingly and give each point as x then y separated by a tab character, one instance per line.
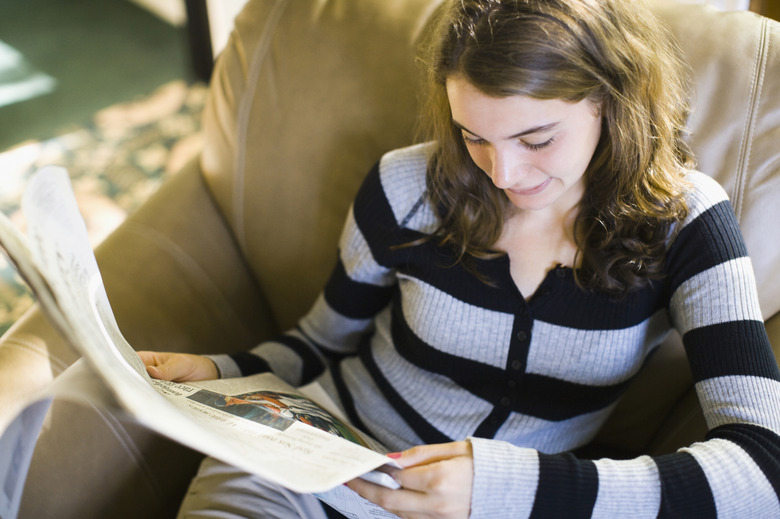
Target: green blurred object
95	53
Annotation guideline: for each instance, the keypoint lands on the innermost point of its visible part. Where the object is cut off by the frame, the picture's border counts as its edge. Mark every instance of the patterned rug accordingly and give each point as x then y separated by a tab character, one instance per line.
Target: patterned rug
115	163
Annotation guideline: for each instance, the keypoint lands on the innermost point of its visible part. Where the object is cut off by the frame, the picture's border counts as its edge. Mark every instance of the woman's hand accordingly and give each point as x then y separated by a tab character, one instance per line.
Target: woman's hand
178	367
436	482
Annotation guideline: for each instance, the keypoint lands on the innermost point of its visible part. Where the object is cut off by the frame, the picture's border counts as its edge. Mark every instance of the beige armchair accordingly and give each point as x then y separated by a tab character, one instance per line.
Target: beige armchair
306	97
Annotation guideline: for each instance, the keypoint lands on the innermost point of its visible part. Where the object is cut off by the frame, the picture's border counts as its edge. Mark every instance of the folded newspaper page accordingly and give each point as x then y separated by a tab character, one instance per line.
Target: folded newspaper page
258	423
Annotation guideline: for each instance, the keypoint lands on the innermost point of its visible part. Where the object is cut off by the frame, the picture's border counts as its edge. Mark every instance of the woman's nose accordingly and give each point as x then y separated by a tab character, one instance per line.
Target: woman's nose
505	167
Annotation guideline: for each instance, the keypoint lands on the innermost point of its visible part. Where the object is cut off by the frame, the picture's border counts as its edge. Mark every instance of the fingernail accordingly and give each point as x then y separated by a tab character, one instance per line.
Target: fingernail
394	455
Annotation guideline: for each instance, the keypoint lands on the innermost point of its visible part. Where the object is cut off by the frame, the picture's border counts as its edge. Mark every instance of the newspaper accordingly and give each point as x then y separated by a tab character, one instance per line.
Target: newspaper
258	424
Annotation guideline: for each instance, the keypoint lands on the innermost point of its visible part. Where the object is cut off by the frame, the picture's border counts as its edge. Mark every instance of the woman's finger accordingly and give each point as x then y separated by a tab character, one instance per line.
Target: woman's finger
424	454
178	367
451	476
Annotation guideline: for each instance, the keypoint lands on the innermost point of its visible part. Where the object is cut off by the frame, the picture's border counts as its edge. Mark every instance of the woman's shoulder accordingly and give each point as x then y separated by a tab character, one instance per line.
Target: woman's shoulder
409	163
402	174
705	193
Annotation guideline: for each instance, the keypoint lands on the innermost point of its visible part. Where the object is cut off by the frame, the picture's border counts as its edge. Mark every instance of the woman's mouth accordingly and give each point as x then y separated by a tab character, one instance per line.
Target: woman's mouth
531	191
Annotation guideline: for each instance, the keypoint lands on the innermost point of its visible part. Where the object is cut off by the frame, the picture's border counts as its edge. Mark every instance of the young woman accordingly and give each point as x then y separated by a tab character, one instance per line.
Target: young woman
499	286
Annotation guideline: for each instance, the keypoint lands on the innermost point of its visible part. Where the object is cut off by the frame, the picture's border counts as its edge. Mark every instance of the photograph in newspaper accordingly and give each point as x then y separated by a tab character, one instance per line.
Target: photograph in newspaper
277	410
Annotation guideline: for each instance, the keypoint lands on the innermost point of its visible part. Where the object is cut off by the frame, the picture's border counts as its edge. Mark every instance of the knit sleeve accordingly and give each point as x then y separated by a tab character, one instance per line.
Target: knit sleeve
714	306
736	471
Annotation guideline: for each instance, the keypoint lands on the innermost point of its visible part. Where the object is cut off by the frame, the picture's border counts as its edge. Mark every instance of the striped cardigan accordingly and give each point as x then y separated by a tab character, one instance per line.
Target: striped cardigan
417	350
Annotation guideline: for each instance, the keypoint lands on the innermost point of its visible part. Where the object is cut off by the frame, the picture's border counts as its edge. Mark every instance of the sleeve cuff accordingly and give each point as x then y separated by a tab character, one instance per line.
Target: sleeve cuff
505	479
226	366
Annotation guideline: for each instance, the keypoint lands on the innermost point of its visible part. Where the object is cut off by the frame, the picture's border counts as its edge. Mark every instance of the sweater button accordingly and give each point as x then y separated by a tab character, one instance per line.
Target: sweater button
521	336
516	365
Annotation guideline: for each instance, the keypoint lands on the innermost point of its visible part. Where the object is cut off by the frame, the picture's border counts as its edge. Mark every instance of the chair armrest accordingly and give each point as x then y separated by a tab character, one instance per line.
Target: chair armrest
176	279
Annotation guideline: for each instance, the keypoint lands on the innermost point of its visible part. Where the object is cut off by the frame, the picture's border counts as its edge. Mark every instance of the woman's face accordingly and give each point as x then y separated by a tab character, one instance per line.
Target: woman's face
536	151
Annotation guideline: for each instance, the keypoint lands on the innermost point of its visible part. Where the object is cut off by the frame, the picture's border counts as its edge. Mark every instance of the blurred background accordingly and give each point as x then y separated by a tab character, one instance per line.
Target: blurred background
60	62
112	90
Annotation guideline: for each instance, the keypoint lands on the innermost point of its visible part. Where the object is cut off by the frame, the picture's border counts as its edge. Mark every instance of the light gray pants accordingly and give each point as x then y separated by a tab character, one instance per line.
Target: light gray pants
220	491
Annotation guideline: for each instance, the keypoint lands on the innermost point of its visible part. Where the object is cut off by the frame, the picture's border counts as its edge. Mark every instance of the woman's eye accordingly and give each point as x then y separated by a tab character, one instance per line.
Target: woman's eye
540	146
472	141
476	141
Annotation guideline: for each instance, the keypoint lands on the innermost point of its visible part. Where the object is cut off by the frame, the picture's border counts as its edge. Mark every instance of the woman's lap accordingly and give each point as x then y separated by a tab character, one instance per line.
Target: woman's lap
220	491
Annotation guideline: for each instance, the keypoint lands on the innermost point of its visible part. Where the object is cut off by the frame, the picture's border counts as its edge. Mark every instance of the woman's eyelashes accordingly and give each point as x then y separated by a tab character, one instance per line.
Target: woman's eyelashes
539	146
476	141
473	141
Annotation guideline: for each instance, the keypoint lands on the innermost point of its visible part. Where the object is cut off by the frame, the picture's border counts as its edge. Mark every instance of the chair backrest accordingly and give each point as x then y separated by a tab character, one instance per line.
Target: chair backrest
299	113
735	127
301	109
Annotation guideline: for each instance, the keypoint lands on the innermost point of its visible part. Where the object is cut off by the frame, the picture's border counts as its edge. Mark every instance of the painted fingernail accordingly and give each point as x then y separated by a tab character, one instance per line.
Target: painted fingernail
394	455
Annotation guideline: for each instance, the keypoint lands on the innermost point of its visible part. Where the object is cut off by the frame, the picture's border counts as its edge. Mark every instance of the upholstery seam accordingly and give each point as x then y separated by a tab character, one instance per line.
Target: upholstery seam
256	65
743	159
130	448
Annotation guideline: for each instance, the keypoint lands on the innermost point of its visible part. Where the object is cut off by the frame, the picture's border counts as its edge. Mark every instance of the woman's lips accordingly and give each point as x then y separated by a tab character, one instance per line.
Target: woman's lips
533	190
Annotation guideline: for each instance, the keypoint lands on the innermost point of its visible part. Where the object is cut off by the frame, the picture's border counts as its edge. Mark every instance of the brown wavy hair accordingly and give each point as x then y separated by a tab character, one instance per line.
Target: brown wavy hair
614	53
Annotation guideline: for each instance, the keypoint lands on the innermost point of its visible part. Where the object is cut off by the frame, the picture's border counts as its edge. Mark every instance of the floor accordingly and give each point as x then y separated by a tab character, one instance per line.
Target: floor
99	52
101	87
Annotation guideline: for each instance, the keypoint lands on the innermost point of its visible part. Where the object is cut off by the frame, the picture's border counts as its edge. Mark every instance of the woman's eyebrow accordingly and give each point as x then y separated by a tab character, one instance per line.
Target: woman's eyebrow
529	131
